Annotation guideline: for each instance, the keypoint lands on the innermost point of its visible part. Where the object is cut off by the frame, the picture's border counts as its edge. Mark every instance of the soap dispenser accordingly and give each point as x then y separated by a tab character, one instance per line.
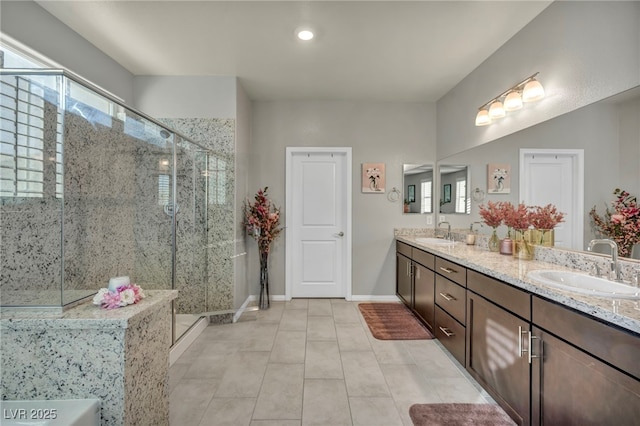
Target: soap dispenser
471	236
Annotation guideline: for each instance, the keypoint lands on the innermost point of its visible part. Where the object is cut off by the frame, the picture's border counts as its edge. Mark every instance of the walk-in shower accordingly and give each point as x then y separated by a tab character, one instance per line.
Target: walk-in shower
91	189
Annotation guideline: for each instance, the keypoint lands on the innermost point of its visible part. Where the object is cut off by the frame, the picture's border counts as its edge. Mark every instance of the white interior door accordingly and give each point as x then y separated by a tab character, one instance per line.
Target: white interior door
555	177
318	225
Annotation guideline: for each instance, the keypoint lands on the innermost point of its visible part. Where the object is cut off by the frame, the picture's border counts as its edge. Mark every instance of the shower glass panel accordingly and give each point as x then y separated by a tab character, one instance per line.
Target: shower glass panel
91	189
114	223
191	233
31	194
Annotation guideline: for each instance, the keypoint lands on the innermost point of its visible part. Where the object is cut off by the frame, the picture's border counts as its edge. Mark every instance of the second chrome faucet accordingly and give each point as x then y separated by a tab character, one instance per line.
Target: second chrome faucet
614	265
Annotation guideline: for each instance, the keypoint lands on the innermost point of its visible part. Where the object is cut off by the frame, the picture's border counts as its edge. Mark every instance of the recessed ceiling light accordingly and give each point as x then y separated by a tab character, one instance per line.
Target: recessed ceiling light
304	34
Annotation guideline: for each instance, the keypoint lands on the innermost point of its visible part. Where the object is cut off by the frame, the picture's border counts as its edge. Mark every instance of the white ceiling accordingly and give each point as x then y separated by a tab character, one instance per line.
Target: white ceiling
378	51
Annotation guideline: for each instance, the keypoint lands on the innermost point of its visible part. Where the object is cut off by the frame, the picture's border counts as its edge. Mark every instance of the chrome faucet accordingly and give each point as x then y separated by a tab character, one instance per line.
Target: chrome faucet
614	266
448	234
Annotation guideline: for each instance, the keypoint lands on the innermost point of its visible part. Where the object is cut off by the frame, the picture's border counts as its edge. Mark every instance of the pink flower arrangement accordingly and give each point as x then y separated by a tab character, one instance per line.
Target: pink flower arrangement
492	214
622	224
547	217
518	218
124	295
262	220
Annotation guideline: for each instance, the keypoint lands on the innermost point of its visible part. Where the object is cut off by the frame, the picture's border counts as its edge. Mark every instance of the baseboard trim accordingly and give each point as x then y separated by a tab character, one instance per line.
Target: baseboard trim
353	298
187	339
373	298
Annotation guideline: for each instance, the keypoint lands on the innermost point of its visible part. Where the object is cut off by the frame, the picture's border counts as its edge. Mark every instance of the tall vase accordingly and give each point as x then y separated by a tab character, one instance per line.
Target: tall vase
522	247
494	241
542	237
263	302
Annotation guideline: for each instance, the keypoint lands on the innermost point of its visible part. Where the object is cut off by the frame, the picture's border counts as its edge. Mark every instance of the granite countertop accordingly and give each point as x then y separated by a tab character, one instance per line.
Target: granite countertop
514	271
87	315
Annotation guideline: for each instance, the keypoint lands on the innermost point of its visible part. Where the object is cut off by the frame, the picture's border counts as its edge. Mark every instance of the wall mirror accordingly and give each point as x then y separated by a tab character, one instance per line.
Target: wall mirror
609	133
417	188
454	189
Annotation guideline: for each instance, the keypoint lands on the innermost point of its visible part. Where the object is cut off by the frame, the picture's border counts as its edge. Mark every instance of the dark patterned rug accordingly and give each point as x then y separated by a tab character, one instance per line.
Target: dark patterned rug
393	321
459	415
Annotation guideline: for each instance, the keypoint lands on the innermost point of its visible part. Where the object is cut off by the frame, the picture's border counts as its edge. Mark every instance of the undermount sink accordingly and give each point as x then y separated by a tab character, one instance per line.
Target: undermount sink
440	241
585	284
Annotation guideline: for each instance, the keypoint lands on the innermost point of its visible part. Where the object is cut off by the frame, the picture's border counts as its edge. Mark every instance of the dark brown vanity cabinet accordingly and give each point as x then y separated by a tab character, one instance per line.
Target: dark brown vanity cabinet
544	363
573	387
415	281
451	297
497	343
404	279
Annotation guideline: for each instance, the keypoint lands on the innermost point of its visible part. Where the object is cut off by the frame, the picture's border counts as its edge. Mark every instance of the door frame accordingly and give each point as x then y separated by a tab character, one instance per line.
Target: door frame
289	252
577	156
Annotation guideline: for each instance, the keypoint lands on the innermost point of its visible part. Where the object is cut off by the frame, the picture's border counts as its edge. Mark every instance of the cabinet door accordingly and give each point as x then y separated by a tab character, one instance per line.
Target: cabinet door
496	357
571	387
423	300
404	279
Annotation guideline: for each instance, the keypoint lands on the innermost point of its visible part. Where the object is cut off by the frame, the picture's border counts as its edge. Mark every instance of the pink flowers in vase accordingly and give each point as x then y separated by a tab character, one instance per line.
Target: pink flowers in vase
492	214
518	218
547	217
262	220
622	225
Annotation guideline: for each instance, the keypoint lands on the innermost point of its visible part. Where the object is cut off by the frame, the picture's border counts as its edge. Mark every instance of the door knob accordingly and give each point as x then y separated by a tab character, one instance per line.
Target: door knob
340	234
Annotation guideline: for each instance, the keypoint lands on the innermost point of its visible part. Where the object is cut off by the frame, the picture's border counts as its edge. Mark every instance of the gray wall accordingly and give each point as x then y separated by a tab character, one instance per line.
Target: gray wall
33	26
393	133
186	96
243	141
584	51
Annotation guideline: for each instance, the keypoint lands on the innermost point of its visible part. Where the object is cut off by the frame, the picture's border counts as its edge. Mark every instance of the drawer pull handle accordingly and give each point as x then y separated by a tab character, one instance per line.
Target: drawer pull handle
447	332
448	270
448	297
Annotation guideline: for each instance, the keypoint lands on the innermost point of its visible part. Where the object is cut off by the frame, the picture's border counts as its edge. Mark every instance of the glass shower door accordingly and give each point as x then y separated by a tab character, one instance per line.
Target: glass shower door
191	234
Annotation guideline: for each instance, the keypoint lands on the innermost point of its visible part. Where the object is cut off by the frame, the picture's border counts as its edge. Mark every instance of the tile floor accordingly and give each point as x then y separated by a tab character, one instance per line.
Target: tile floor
310	362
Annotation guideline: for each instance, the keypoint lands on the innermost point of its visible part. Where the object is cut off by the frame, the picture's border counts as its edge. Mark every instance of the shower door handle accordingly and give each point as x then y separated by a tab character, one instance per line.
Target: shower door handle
169	210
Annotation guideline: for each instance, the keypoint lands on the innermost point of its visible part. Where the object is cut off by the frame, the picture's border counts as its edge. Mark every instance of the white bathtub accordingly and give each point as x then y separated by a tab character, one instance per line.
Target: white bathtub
69	412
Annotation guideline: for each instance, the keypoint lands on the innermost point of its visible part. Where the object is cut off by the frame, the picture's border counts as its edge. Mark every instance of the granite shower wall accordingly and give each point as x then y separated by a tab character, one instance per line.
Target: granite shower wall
218	136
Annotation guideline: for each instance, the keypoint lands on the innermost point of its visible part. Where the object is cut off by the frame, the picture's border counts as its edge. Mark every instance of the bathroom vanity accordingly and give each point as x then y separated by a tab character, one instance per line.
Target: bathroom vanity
120	357
547	356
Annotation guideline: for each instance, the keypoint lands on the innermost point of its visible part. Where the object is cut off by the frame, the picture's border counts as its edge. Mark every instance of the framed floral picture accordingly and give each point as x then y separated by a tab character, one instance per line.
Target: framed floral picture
373	178
499	178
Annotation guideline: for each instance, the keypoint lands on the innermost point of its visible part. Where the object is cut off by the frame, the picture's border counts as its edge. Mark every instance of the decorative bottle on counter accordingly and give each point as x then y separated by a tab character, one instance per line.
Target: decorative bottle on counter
506	246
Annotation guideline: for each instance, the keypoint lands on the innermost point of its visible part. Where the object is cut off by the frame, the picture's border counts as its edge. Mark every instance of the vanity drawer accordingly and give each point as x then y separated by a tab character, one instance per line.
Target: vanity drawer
425	259
502	294
452	271
451	297
451	334
404	249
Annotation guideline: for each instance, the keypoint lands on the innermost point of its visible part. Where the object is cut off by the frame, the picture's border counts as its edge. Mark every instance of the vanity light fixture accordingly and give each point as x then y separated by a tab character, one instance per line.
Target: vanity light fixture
496	110
528	90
